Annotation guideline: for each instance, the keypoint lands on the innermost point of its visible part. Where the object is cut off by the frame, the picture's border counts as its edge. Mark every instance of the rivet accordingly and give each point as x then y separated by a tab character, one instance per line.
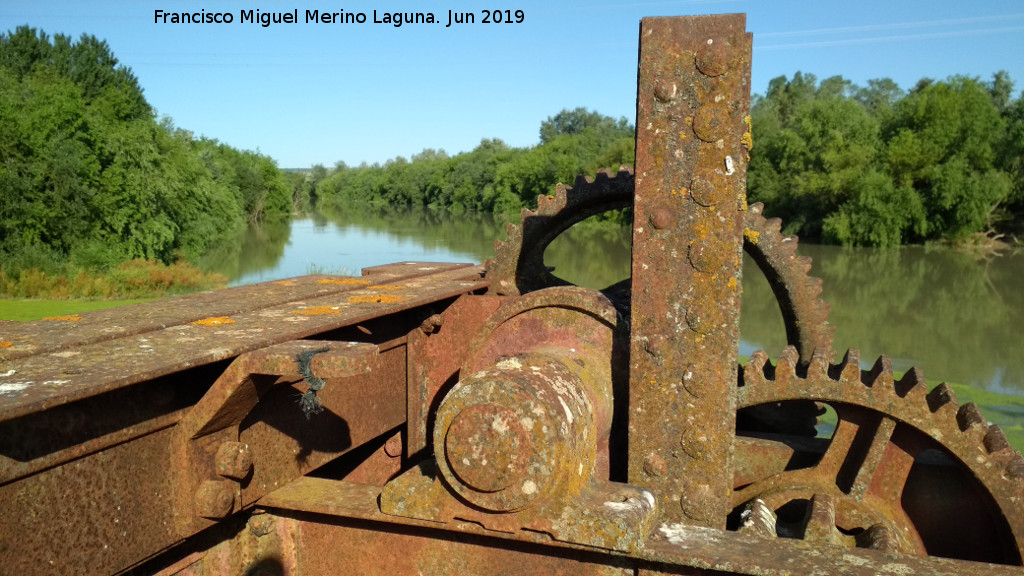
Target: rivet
234	460
661	219
655	465
393	447
215	499
665	92
713	58
710	121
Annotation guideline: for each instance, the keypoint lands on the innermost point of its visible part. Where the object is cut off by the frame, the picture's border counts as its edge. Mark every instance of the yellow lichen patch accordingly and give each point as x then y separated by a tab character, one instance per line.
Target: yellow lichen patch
213	321
682	135
384	287
318	311
732	283
751	236
376	299
345	282
284	283
689	121
68	318
6	344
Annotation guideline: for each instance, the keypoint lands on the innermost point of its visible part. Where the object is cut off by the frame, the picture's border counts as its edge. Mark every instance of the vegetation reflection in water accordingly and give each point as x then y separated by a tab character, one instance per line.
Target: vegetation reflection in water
943	311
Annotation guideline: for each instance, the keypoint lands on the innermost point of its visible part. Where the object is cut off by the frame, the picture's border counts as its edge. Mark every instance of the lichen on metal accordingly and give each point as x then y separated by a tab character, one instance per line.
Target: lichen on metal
510	423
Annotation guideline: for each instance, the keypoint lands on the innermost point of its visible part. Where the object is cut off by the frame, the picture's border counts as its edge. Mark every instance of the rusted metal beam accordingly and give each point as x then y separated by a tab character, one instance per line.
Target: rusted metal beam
692	100
41	381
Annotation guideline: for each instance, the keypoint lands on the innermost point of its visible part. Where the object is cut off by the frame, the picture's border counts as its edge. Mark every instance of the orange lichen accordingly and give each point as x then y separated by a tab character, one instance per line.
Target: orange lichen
284	283
376	299
68	318
344	282
6	344
213	321
385	287
318	311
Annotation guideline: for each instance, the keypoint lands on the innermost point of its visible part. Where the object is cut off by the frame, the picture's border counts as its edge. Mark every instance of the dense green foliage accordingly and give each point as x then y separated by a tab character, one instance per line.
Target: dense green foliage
493	177
876	166
839	163
89	178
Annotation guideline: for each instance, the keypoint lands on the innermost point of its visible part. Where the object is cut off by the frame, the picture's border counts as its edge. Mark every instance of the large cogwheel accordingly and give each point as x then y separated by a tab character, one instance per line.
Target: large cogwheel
518	266
905	470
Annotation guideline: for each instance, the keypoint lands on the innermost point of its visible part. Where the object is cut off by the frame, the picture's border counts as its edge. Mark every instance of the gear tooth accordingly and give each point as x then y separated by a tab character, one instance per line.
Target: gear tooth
942	397
880	374
581	181
773	224
995	440
819	363
847	371
804	262
756	208
754	370
912	383
603	175
625	169
878	537
561	189
1015	469
787	364
969	416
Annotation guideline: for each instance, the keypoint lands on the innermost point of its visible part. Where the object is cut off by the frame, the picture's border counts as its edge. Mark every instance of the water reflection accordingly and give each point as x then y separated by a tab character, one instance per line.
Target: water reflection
940	310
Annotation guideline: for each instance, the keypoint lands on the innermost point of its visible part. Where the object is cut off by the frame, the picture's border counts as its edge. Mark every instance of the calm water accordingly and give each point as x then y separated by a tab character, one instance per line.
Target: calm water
956	317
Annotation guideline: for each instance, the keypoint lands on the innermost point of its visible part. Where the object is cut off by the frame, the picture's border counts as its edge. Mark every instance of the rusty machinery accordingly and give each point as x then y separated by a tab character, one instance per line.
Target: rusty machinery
496	420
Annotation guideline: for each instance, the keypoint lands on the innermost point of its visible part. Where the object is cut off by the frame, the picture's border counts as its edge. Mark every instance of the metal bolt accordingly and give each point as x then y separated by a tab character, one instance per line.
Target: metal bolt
261	524
393	447
234	460
432	324
215	499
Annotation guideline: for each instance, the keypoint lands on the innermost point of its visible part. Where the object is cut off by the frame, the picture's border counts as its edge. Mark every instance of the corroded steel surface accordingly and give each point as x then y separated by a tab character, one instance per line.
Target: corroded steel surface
464	432
31	384
692	98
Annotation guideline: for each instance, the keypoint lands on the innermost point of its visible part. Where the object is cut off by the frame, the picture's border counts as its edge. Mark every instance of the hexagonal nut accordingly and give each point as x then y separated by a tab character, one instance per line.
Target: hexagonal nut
234	460
215	499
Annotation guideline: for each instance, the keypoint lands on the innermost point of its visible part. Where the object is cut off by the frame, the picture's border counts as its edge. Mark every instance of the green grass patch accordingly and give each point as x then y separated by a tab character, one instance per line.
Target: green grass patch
128	280
26	310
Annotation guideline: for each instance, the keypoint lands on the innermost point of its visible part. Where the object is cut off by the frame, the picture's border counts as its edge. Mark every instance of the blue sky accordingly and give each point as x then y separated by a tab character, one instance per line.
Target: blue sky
322	93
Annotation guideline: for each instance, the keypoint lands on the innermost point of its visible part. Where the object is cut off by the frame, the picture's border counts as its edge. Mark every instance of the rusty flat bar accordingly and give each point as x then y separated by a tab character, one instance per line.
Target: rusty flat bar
692	100
672	548
19	339
42	381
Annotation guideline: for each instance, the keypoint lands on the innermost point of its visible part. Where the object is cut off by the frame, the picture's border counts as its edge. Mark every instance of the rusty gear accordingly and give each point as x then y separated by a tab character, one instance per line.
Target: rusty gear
869	487
518	266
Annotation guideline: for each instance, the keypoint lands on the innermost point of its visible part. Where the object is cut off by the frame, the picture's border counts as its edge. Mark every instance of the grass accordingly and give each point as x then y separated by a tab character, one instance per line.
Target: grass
22	310
133	279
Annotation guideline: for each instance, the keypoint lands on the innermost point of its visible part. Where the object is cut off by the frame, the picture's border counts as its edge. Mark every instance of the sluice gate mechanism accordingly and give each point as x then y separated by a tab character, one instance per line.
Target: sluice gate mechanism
495	419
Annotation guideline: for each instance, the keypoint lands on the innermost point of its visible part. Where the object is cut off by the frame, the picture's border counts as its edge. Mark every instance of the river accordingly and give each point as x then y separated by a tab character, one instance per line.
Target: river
954	315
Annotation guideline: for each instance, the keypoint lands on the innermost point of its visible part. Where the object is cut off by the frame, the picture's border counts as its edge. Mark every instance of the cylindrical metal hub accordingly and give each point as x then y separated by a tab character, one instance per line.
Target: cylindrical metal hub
519	432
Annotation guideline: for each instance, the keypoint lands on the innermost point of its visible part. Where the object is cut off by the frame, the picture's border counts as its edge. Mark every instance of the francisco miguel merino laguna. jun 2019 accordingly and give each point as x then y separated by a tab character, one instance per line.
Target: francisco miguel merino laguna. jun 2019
396	19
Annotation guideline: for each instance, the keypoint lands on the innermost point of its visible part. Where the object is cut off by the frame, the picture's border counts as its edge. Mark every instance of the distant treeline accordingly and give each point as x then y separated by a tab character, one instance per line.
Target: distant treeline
838	163
493	177
90	178
880	167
